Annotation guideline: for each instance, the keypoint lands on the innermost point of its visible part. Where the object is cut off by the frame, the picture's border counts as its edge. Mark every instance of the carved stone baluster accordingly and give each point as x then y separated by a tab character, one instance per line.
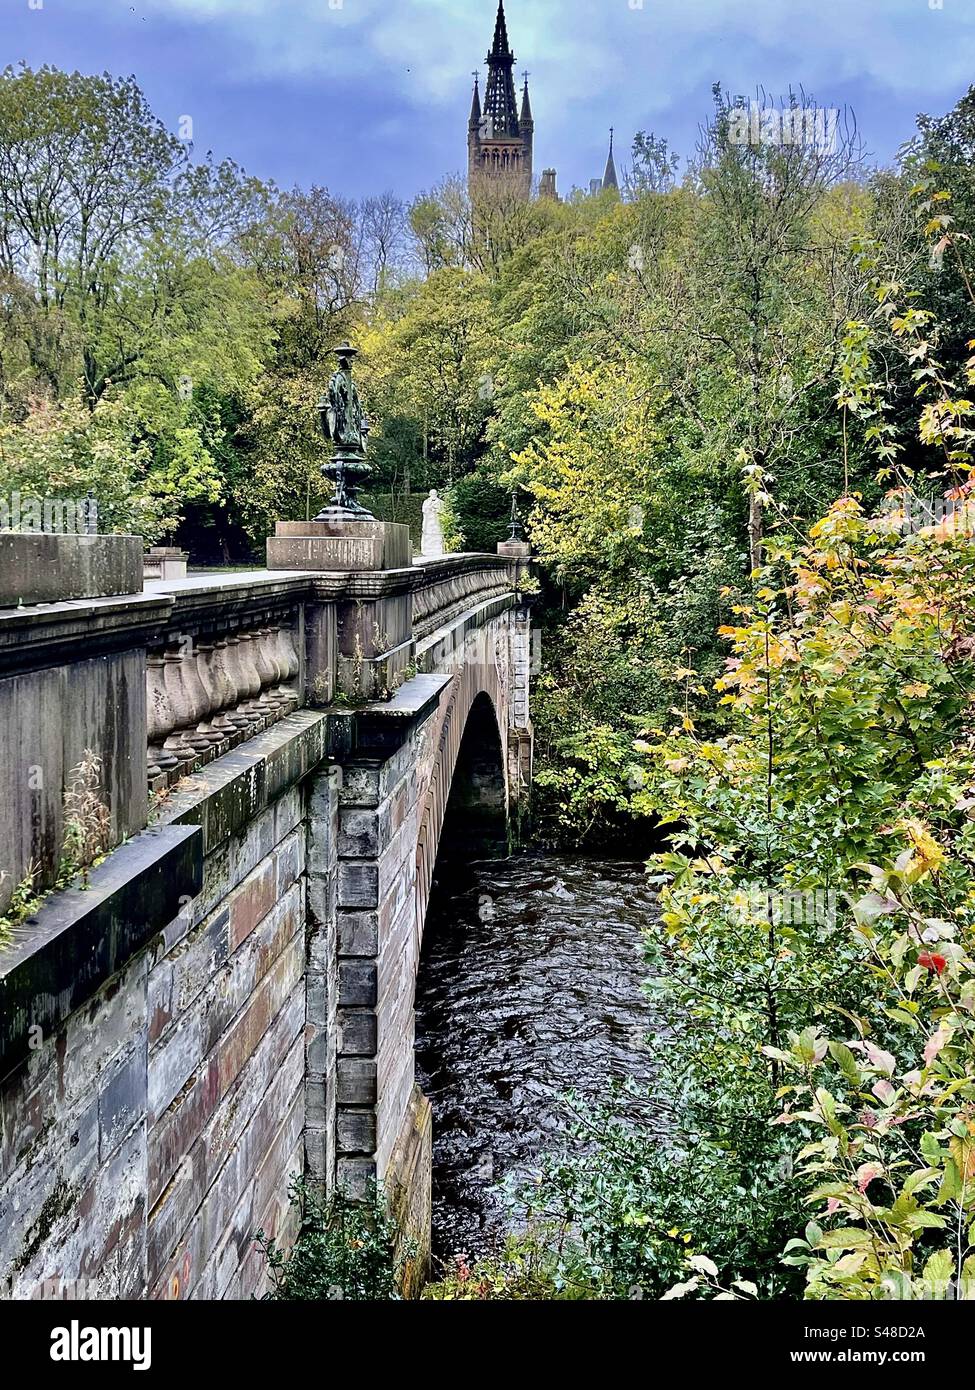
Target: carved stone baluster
177	744
248	655
160	717
288	660
213	727
198	735
279	671
269	672
225	666
237	715
223	686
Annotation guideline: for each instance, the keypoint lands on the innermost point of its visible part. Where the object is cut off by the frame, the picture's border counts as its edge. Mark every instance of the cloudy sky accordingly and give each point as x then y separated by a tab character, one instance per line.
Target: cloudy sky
363	95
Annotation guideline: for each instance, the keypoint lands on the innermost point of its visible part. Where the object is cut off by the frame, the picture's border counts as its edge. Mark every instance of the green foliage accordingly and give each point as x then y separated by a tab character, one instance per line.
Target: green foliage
430	364
844	721
479	512
87	821
892	1153
530	1268
635	1195
344	1250
24	902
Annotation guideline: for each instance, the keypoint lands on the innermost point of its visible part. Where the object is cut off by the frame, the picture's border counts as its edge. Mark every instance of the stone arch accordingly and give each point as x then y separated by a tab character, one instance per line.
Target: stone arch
468	788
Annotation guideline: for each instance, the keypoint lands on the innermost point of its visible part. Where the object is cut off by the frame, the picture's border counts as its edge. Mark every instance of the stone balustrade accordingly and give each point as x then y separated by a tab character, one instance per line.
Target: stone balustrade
445	587
231	661
205	696
227	665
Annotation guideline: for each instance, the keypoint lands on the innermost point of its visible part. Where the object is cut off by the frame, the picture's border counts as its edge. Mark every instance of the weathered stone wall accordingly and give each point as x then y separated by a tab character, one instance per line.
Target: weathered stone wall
231	1001
147	1140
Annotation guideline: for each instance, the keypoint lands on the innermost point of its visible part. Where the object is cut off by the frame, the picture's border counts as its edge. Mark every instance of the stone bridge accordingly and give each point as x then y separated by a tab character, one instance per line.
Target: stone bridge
266	766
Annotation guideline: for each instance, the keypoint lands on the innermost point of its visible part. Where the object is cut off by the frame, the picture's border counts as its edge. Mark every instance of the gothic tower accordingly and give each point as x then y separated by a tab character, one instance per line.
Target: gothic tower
500	142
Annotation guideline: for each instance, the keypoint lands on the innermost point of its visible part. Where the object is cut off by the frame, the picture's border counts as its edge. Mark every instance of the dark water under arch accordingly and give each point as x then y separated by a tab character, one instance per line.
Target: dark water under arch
529	987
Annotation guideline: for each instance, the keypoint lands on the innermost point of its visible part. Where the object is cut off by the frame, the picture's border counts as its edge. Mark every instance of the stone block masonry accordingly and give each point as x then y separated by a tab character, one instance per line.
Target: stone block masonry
229	1001
153	1130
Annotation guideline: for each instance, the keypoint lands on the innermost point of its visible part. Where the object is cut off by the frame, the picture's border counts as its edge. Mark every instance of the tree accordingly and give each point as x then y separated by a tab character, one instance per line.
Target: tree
654	166
479	228
430	363
101	211
775	330
385	240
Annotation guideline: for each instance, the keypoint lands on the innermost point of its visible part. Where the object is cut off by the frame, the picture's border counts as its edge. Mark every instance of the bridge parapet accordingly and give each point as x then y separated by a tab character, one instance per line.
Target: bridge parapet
446	587
220	657
239	652
229	998
227	664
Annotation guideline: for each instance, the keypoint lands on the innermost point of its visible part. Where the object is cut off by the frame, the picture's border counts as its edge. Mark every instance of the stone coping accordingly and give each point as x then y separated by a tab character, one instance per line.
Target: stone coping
319	585
58	634
227	601
381	727
223	797
80	938
463	560
242	582
452	628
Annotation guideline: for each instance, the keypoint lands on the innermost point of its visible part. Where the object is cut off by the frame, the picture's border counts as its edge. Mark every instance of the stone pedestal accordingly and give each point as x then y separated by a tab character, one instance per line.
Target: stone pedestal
515	550
339	546
165	562
518	554
370	633
37	567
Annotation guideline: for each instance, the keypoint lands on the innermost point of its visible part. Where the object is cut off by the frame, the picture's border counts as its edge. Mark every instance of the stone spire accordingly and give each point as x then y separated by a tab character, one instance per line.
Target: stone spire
500	106
609	178
526	118
500	143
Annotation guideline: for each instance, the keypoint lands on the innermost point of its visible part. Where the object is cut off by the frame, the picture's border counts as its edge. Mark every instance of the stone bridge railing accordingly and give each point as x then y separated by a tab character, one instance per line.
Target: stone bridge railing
221	659
225	667
230	660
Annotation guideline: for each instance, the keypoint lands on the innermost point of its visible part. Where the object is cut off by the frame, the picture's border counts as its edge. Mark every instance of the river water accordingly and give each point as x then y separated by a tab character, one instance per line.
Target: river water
529	987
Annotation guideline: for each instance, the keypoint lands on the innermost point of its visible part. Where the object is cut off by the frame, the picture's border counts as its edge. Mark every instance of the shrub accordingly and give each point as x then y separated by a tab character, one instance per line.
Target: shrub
345	1250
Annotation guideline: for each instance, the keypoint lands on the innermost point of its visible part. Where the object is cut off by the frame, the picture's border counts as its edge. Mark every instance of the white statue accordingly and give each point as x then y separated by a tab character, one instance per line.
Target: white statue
431	539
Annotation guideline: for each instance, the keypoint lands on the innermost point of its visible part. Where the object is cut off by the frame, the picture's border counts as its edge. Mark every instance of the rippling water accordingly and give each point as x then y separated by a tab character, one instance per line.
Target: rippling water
529	987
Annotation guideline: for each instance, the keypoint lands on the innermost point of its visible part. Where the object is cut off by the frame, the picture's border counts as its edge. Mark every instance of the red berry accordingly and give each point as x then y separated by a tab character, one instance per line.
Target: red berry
932	962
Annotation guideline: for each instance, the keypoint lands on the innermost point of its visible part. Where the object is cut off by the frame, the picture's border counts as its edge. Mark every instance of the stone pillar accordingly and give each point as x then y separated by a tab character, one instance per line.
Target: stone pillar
520	733
36	567
370	631
519	554
382	1123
